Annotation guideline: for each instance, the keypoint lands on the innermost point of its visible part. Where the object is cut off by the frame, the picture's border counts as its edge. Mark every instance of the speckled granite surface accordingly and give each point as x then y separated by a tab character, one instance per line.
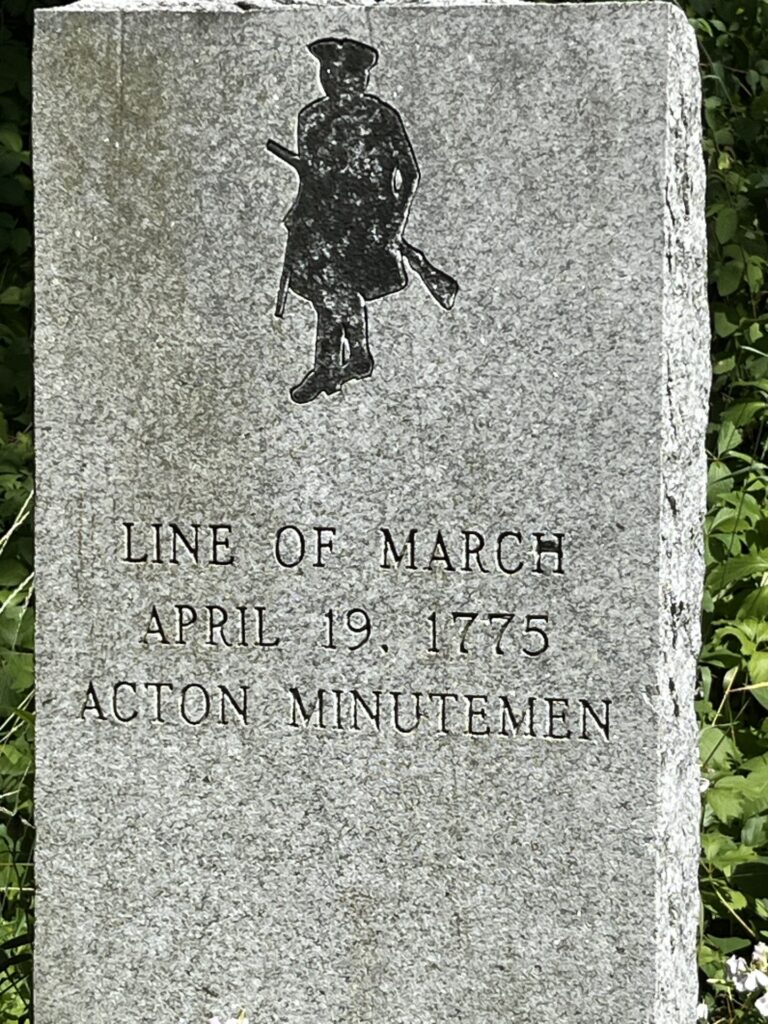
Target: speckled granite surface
408	832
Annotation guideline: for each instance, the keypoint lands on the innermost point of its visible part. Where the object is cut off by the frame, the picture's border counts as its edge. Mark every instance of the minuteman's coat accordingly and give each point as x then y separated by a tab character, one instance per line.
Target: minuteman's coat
344	228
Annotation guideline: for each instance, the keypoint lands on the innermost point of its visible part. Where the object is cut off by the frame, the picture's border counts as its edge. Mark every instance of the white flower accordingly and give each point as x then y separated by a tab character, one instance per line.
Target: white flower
702	1012
214	1020
742	978
760	952
703	785
755	980
762	1005
736	966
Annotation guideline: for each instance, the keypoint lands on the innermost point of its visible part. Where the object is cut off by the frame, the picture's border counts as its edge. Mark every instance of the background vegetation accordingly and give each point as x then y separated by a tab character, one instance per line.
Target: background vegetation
733	36
16	580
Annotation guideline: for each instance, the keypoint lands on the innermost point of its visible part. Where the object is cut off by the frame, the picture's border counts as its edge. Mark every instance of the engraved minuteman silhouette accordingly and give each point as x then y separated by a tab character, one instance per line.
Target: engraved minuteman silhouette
357	179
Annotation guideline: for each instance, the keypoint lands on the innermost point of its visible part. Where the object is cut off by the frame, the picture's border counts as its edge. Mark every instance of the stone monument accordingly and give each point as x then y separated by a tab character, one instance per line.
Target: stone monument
371	390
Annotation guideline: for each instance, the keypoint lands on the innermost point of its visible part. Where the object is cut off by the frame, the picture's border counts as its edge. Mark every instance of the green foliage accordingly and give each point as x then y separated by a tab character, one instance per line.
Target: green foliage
734	676
733	37
16	580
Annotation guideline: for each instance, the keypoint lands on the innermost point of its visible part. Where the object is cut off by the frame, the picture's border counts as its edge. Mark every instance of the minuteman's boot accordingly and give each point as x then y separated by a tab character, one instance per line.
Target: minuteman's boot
360	363
325	376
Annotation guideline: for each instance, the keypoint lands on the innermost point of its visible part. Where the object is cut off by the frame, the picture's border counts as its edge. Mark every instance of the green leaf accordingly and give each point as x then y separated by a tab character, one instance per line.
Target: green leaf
720	479
726	803
11	138
729	278
728	437
760	693
754	832
716	749
726	224
754	604
742	413
724	328
12	572
739	568
729	945
723	365
758	667
754	275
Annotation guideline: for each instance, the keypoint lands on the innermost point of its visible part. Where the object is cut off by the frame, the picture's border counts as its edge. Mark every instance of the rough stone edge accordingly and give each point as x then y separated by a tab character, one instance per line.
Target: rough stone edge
240	6
684	401
243	6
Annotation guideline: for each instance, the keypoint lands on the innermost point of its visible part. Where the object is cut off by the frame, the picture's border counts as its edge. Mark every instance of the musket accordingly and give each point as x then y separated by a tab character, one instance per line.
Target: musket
282	153
441	286
282	293
295	161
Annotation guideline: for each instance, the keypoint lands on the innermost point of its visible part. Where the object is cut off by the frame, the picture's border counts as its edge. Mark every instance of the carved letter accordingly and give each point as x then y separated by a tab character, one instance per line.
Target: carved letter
398	556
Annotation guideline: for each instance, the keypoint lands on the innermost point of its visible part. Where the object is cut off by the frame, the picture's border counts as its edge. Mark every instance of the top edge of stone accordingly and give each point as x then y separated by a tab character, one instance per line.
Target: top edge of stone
243	6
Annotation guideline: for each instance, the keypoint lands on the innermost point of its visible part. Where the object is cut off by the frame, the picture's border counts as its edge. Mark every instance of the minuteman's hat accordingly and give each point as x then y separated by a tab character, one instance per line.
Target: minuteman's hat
347	54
